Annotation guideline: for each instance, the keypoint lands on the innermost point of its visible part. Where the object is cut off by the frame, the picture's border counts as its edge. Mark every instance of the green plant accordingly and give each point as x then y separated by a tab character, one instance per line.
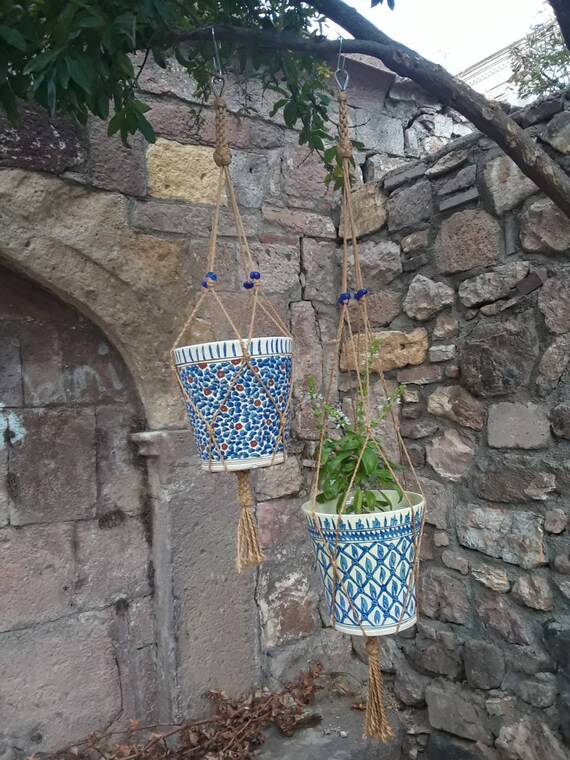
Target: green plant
541	62
353	471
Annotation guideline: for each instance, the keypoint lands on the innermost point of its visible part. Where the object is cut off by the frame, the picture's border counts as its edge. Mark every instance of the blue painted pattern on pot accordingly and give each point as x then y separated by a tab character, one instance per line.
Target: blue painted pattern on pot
238	407
374	555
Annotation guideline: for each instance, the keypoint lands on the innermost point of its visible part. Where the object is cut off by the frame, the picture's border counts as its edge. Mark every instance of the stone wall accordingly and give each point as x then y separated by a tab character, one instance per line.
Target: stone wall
76	625
121	234
470	264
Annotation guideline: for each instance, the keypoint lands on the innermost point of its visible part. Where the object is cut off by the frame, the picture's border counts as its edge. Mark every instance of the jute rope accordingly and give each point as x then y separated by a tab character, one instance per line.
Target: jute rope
358	336
249	552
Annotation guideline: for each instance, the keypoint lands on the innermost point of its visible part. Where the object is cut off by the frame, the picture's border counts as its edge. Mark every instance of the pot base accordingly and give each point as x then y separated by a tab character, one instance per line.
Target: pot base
234	465
371	631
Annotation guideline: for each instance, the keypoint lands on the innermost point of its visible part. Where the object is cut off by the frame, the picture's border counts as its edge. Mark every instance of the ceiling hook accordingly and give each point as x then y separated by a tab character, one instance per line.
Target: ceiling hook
217	81
341	74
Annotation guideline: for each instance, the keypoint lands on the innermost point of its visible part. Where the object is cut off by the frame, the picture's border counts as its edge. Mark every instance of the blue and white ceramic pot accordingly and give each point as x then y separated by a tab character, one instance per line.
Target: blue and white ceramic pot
238	409
374	556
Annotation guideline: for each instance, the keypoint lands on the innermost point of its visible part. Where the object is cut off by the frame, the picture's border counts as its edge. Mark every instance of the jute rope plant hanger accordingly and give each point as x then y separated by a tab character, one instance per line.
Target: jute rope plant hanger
237	392
349	549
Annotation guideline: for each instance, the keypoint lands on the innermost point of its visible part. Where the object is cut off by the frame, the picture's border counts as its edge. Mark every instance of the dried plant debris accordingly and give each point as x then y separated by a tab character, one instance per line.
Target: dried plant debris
234	732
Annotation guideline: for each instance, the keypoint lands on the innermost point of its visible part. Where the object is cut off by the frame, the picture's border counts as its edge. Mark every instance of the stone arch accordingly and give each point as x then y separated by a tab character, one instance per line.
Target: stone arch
76	242
77	643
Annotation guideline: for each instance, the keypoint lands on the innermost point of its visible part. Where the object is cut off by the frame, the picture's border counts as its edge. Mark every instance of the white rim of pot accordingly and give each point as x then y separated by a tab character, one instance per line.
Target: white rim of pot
223	350
311	508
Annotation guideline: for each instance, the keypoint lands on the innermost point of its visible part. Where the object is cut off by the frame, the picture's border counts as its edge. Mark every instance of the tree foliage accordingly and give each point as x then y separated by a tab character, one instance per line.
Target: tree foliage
541	63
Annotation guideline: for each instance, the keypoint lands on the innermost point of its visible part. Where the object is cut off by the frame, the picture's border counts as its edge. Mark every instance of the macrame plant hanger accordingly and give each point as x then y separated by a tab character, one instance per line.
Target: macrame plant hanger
257	370
354	335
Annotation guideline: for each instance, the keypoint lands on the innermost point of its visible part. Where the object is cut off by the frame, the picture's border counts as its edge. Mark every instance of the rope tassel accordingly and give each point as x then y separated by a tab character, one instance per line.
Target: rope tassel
376	725
249	553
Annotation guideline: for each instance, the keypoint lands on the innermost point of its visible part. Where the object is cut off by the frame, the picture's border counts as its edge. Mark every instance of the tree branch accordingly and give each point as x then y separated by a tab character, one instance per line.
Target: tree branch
488	117
562	12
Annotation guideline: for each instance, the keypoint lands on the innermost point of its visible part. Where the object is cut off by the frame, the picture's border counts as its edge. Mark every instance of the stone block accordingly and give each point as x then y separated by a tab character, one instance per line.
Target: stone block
446	327
448	163
498	615
187	219
280	480
556	636
451	454
458	199
435	657
307	347
37	581
180	171
119	474
557	132
286	596
368	211
409	206
498	358
322	272
281	521
553	365
381	133
303	177
513	536
555	521
380	263
463	179
378	165
554	303
494	285
443	597
112	165
396	349
545	228
529	739
203	508
112	561
443	746
65	668
515	479
425	298
533	591
518	426
420	428
42	365
400	176
456	710
54	467
299	222
410	686
38	143
458	405
492	577
256	177
420	375
455	562
280	266
484	664
466	240
10	367
383	307
175	122
506	184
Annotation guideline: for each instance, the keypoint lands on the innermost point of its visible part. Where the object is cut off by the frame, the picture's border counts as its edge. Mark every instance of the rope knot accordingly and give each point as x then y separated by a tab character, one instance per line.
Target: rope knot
222	153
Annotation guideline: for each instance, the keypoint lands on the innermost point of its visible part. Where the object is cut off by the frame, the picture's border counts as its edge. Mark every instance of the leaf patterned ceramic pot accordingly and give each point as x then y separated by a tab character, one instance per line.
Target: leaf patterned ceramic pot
238	406
374	558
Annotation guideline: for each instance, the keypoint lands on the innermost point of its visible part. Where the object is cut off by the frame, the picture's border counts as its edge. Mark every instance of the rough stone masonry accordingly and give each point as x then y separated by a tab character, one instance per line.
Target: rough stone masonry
467	270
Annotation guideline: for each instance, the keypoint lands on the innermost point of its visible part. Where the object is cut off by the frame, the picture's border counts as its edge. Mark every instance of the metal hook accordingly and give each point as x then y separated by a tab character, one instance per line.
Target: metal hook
217	81
341	74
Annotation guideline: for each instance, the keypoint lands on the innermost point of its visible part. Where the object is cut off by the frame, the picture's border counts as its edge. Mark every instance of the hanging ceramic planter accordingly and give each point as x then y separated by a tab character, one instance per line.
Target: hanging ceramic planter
238	406
367	564
237	386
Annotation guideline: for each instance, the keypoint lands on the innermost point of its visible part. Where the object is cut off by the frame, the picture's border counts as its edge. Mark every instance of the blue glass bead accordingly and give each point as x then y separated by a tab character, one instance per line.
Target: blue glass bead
343	298
255	275
204	284
360	293
248	285
211	276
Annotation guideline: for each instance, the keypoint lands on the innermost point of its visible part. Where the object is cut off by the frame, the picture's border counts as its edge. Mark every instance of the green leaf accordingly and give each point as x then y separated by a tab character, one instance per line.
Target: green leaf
40	61
13	37
369	460
145	127
115	123
290	114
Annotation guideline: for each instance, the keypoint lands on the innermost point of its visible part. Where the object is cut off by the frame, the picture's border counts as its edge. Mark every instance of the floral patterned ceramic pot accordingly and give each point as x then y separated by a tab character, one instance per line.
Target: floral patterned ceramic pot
374	556
239	411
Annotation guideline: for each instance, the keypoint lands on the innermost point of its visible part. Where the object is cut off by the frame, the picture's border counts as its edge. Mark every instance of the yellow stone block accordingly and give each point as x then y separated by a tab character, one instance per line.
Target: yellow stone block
180	171
395	349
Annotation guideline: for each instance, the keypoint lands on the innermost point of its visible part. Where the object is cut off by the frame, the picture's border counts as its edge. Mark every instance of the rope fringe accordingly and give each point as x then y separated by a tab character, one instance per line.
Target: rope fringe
249	552
376	724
